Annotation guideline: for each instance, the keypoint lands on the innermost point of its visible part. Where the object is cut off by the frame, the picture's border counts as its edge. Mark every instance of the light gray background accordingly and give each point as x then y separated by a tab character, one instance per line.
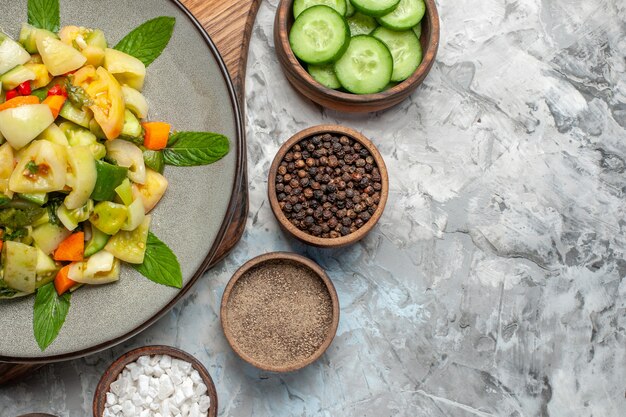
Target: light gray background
494	283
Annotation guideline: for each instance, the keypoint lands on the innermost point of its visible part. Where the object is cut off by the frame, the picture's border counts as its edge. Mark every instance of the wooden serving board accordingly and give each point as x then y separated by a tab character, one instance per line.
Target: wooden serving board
229	23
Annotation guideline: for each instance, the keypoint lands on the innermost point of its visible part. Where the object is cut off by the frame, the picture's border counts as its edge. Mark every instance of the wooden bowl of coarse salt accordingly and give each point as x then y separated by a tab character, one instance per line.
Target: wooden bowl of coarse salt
155	380
280	312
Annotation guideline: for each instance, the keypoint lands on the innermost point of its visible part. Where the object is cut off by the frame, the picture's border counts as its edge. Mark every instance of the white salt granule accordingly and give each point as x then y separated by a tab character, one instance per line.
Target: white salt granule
157	386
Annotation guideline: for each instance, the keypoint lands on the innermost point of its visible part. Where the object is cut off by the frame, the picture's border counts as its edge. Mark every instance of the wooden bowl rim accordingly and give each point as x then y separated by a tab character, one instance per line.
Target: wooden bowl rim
269	258
283	13
113	371
321	241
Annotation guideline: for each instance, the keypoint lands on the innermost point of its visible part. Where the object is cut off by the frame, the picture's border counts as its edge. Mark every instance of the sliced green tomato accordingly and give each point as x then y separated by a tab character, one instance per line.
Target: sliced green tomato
106	94
16	76
405	49
58	57
135	101
71	218
132	127
19	266
109	177
152	191
41	169
126	68
55	135
11	54
130	246
100	268
319	35
408	14
126	154
22	124
97	241
361	24
49	236
366	67
81	117
136	215
29	35
301	5
109	217
81	176
375	7
325	75
125	192
46	268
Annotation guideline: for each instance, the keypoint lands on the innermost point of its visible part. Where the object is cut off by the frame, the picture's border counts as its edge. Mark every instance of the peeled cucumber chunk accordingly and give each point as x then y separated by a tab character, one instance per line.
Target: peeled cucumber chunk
11	54
49	236
16	76
81	117
20	125
19	266
408	14
132	127
58	57
301	5
405	49
29	35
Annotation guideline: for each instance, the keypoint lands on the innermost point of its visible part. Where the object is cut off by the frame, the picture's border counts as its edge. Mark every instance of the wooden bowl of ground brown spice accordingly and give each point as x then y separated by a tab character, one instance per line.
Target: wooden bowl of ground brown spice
328	186
280	312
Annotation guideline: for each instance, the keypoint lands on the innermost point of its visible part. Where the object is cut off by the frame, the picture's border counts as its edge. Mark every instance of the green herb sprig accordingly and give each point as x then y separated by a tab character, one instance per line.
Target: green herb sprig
185	149
160	264
44	14
49	314
148	40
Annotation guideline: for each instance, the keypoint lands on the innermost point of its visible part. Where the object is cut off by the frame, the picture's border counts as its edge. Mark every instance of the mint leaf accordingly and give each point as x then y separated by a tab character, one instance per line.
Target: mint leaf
44	14
49	314
148	40
160	264
186	149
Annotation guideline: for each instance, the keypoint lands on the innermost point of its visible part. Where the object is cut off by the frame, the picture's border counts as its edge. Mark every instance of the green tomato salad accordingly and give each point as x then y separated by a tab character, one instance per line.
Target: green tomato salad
80	167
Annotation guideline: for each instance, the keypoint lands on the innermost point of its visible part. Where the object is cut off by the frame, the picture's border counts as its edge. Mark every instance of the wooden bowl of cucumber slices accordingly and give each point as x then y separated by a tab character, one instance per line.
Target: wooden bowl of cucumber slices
356	55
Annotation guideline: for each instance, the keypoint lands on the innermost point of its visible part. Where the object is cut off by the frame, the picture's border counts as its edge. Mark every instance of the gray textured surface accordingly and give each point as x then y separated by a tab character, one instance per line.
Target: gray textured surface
494	284
186	77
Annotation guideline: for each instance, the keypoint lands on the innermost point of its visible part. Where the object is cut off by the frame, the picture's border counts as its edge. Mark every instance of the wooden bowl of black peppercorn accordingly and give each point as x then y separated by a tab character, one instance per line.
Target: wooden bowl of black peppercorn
328	186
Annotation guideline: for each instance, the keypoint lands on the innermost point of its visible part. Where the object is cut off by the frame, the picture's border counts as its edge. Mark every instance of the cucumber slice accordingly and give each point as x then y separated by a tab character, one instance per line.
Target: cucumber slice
366	66
325	75
301	5
350	10
375	7
408	14
319	35
418	29
361	24
405	49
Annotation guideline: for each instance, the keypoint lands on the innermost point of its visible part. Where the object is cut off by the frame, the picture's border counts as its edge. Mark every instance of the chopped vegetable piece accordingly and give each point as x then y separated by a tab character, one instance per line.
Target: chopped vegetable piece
62	282
152	191
11	94
72	248
55	103
109	217
97	241
24	88
20	125
18	101
130	246
157	135
109	177
57	90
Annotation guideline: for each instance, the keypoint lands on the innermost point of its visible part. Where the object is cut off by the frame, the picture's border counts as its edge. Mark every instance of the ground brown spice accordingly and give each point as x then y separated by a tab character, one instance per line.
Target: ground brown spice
279	313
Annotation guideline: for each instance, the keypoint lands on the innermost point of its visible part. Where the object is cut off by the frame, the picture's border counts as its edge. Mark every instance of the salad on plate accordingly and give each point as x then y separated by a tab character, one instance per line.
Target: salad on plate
81	165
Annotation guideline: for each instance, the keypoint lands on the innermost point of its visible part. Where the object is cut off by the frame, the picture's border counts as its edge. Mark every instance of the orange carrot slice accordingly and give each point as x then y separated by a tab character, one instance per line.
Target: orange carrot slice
157	135
55	103
19	101
72	248
62	282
